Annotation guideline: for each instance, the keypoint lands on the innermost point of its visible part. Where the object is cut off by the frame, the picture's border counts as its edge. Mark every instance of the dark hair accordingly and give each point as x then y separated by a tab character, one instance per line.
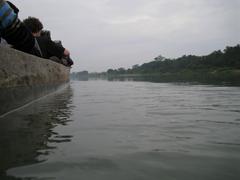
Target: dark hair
33	24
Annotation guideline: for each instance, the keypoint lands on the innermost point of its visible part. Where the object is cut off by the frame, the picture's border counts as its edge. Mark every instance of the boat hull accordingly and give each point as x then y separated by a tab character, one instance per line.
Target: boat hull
24	78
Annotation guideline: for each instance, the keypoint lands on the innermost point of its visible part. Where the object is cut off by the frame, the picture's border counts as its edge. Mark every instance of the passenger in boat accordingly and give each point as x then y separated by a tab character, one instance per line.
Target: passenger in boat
66	60
48	48
12	30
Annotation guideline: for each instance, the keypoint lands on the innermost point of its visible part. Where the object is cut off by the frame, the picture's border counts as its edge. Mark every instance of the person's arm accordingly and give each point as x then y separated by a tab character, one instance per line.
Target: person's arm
55	50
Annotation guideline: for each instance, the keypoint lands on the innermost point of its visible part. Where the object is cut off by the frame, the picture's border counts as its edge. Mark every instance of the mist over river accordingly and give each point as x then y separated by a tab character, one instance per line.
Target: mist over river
125	130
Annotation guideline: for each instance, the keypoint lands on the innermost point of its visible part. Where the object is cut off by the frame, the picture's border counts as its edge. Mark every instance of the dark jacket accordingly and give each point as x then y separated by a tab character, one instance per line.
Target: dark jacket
19	36
13	30
49	48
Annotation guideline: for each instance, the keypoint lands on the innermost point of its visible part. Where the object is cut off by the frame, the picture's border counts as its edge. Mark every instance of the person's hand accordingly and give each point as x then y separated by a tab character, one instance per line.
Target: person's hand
66	52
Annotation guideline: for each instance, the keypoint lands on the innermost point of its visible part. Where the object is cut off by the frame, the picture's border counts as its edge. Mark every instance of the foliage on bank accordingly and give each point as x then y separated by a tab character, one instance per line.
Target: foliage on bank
218	65
229	58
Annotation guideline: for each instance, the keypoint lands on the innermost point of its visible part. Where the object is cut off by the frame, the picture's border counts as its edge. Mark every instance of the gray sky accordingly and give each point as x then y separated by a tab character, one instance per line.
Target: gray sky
102	34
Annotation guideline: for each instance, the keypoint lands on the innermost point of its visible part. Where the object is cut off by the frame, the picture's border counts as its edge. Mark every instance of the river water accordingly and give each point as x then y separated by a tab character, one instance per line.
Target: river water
113	130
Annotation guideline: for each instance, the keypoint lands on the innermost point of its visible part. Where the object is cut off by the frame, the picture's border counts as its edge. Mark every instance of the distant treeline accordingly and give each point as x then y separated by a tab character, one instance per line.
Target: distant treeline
229	58
219	65
83	75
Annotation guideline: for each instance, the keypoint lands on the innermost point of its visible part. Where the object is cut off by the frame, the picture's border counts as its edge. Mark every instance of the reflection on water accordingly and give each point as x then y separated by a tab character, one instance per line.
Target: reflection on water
101	130
26	135
174	79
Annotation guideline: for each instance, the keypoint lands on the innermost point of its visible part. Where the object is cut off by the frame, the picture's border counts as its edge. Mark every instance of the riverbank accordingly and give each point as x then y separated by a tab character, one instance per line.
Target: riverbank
208	76
218	66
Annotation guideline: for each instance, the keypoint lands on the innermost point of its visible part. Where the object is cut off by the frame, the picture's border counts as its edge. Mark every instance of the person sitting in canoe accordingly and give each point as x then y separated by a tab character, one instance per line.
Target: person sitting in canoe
13	30
48	49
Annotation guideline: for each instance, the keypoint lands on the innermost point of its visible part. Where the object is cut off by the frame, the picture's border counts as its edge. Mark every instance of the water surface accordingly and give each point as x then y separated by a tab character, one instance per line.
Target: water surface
125	130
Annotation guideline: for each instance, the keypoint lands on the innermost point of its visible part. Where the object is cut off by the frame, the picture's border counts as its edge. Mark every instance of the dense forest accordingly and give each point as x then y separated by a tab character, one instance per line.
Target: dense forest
229	58
222	65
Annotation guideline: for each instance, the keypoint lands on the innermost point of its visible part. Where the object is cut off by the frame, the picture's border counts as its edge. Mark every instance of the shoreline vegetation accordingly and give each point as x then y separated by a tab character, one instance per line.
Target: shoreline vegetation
218	66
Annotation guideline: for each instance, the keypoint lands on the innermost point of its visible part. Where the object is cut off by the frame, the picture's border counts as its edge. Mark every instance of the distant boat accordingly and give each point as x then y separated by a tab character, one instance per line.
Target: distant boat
24	77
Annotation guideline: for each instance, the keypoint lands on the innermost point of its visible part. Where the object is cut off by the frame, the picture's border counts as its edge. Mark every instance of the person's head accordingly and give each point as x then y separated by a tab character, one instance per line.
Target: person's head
34	25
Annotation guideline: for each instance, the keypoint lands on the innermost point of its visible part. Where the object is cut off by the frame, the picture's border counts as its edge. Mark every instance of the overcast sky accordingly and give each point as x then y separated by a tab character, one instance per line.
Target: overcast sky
103	34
